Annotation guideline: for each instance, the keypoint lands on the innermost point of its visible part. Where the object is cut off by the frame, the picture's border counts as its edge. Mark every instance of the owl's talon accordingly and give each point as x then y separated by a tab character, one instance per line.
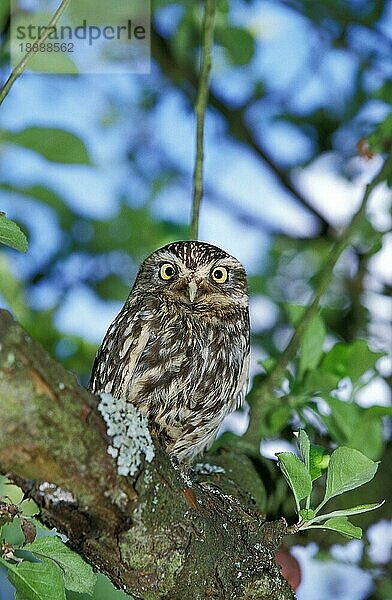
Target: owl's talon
191	472
175	462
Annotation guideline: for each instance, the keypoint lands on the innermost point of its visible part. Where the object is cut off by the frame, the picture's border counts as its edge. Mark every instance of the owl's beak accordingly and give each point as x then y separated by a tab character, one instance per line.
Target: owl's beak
192	290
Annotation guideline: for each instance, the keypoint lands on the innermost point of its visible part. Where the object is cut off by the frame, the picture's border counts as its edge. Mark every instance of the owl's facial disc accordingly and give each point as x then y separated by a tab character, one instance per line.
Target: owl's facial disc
201	288
195	277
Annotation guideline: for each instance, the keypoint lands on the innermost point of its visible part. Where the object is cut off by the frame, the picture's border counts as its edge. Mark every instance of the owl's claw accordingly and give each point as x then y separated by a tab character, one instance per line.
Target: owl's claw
185	471
174	461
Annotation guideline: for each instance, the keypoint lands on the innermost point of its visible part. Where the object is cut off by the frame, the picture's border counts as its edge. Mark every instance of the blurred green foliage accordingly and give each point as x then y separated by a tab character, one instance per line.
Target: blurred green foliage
55	145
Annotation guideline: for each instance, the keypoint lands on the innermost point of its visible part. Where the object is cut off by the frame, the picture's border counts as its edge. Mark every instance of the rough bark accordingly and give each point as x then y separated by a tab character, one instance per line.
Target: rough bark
155	535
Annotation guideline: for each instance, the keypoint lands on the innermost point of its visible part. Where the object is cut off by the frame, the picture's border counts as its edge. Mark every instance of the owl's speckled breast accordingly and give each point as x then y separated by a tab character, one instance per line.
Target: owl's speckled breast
187	376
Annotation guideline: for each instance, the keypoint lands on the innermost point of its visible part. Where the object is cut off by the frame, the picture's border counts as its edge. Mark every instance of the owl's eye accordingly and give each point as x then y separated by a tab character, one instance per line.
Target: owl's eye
219	274
167	271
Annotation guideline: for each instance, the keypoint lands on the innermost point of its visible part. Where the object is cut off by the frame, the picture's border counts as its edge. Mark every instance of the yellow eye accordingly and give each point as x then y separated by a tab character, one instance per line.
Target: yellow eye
167	271
219	274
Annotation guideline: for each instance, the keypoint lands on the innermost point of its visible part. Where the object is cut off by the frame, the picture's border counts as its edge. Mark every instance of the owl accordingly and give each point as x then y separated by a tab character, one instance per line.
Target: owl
179	348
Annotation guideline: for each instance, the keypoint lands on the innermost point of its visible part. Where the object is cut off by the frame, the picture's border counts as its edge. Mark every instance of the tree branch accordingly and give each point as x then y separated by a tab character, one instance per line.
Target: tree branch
263	395
183	75
20	67
201	106
155	535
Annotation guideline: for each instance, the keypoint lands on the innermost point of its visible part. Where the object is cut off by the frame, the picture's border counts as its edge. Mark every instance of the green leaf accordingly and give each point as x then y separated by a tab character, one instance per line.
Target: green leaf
368	436
12	235
222	6
104	590
4	14
20	596
307	514
313	340
318	461
347	512
319	381
180	40
312	346
315	457
29	508
56	145
276	419
304	446
36	580
12	533
384	92
296	475
377	410
346	417
78	575
367	239
238	42
268	364
350	360
356	427
340	525
294	312
347	470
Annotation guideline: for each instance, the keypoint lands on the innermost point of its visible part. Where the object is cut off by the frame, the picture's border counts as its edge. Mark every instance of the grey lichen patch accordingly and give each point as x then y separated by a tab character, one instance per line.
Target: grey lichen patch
117	496
207	469
52	494
127	427
10	360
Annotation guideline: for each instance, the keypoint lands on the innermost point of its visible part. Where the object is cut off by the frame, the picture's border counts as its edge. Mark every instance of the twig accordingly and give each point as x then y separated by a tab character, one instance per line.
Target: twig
201	105
20	67
263	396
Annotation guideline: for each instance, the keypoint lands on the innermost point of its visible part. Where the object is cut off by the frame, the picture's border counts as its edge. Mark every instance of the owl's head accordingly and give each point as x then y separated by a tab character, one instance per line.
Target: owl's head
195	275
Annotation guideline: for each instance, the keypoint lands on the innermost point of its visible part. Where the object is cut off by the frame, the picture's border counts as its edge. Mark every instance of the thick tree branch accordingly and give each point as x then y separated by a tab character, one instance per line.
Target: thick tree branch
156	535
263	395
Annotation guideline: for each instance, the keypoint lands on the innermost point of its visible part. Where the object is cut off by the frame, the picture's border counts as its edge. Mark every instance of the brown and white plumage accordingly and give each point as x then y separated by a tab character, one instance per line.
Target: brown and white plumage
179	348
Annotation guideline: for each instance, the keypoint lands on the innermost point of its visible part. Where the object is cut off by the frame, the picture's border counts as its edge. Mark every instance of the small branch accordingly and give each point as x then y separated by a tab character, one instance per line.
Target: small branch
20	67
263	396
201	105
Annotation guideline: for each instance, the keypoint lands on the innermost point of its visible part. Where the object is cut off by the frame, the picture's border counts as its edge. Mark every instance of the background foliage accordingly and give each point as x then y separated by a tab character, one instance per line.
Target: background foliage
97	171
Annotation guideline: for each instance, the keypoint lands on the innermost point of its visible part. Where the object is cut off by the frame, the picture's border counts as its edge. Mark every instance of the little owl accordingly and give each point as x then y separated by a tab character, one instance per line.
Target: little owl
179	348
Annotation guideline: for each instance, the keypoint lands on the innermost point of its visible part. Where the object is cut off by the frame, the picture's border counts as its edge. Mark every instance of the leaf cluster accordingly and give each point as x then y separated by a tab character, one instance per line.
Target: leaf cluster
346	469
40	567
314	390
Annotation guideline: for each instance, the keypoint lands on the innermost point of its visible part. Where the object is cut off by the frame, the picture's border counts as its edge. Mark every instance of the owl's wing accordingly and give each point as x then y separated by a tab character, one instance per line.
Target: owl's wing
243	381
119	352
